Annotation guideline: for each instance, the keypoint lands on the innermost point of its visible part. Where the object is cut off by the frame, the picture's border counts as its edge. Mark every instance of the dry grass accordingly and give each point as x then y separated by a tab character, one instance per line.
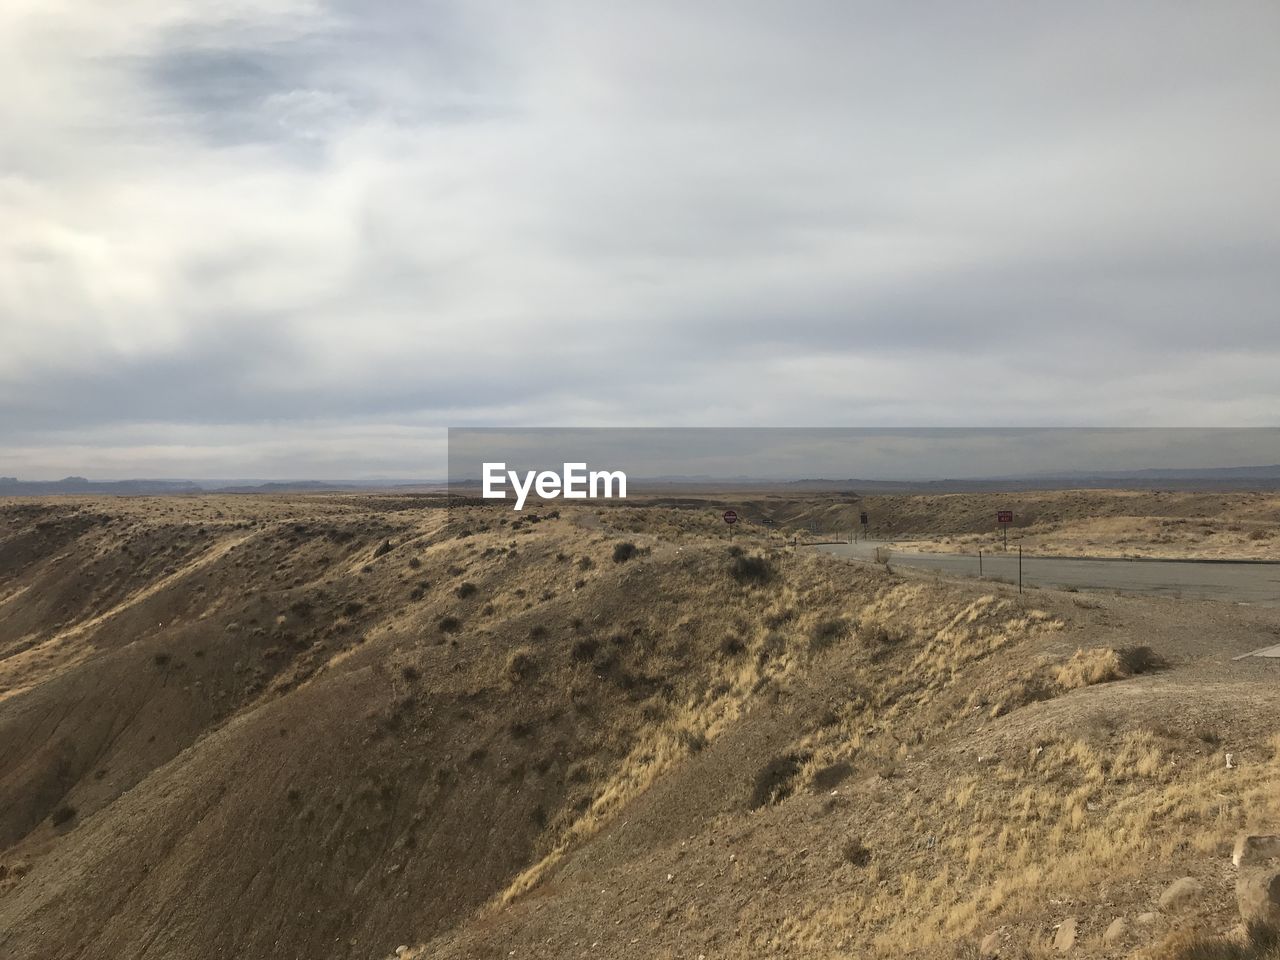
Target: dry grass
1257	943
912	806
1056	824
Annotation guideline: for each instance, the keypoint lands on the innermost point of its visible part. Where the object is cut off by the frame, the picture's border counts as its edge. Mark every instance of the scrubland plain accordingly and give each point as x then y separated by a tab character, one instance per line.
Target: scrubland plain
329	726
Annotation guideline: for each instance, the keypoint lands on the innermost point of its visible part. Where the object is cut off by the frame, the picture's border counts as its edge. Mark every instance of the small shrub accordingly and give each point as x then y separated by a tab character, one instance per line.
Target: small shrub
63	814
449	624
827	632
1139	659
521	664
751	570
414	563
623	552
695	741
732	646
585	650
1209	736
162	659
585	563
855	853
519	729
775	781
830	777
383	549
881	634
465	589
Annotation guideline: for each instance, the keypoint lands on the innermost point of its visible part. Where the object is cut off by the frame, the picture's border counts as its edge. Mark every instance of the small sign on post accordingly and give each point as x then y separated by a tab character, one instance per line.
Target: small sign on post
1004	518
864	520
731	517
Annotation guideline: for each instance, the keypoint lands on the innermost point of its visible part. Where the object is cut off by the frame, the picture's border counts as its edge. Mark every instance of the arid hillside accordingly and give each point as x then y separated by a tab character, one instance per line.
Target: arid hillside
331	726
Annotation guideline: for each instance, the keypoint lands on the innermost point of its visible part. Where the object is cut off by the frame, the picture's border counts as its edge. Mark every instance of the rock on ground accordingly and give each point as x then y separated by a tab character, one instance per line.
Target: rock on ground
1115	932
1255	848
1181	894
1066	936
1258	896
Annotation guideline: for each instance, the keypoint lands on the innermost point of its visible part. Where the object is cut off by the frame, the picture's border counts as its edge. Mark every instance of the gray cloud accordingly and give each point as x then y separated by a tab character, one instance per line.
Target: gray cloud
311	220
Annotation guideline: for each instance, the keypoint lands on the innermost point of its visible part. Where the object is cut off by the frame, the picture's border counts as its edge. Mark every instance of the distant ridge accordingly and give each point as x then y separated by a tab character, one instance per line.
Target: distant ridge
1260	478
13	487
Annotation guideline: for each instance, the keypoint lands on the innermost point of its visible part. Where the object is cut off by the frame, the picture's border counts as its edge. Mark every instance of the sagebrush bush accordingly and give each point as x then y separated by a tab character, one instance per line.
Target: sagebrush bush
827	632
521	664
751	570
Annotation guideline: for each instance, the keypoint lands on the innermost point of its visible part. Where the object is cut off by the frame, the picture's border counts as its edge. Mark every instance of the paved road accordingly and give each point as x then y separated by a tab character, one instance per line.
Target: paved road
1257	583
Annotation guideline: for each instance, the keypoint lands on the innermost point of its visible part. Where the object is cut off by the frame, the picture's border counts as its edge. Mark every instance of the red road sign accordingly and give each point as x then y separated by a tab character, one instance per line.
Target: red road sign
1004	516
731	516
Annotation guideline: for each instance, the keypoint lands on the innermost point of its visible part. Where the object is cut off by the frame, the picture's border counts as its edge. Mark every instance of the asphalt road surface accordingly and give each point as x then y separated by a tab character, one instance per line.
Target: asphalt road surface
1257	583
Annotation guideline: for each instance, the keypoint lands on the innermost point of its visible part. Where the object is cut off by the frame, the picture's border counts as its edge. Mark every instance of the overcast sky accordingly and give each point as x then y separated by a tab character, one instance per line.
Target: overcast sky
291	238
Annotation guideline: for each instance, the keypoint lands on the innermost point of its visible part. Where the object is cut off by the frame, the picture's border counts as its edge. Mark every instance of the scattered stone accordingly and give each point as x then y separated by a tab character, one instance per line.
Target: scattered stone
401	949
1258	896
990	946
1181	894
1115	933
1255	848
1065	938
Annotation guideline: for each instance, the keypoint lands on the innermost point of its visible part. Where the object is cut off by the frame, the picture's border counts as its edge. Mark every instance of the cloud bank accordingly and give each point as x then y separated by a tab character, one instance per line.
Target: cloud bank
299	238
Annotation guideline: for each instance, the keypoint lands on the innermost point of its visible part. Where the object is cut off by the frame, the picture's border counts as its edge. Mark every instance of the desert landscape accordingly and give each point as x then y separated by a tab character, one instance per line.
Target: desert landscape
368	725
1228	524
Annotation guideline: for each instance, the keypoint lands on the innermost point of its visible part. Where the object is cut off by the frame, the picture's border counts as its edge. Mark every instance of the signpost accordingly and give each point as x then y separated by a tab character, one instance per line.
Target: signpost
864	520
731	517
1004	518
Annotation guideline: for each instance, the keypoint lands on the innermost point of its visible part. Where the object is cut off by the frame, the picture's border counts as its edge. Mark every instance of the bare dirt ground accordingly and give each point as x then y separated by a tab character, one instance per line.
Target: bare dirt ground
329	726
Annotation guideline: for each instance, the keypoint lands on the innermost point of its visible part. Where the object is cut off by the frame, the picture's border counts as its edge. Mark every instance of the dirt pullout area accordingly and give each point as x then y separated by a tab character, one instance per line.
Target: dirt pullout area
329	726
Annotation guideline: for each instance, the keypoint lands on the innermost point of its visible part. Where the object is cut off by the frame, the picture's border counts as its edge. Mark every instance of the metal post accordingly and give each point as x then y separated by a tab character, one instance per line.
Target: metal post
1019	568
979	563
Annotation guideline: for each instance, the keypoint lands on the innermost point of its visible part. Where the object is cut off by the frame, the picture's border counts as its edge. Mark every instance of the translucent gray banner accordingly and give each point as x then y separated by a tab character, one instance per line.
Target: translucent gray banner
552	462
